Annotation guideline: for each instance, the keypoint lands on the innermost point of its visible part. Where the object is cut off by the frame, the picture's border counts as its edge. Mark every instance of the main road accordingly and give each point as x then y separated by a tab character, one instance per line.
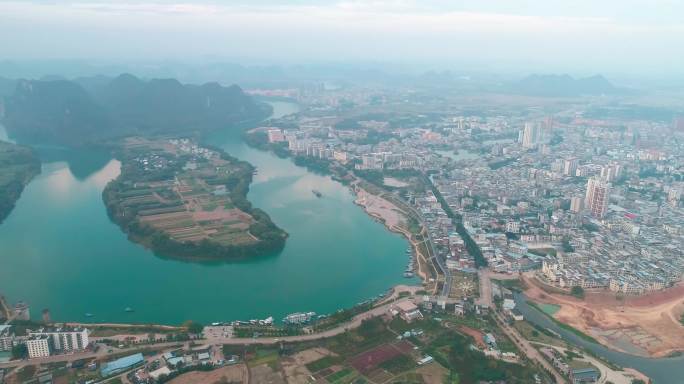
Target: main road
523	344
355	322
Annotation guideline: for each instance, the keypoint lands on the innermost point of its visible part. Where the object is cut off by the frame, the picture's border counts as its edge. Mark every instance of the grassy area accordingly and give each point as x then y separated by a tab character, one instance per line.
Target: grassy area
410	378
371	333
342	376
401	363
549	309
453	351
514	285
264	356
323	363
538	334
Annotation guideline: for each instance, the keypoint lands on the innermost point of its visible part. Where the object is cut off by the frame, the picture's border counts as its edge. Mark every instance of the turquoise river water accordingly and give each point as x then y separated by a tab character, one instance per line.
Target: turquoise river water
59	250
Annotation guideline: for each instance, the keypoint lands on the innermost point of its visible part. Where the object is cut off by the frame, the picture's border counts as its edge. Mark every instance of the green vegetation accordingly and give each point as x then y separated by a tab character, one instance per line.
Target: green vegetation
323	363
18	165
398	364
563	325
181	204
533	332
19	352
320	166
65	112
472	247
549	309
193	327
339	375
371	333
577	291
453	351
513	285
501	163
26	372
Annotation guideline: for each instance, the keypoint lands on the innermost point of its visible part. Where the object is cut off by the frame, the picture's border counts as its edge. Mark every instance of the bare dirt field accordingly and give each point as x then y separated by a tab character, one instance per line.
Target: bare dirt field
231	374
433	373
294	367
266	375
475	334
647	325
380	208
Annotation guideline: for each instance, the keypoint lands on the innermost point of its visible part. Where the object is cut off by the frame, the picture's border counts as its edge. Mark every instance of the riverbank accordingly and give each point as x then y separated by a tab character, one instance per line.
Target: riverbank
647	325
380	209
188	201
394	219
18	166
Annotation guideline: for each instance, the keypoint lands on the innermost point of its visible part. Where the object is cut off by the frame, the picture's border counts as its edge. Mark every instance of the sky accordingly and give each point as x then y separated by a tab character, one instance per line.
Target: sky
581	36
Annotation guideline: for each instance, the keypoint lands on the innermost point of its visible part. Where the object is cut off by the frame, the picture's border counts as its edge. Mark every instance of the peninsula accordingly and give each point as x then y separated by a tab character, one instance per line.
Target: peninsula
188	201
18	165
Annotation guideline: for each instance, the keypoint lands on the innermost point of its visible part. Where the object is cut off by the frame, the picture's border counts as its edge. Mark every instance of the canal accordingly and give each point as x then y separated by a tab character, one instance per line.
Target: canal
661	371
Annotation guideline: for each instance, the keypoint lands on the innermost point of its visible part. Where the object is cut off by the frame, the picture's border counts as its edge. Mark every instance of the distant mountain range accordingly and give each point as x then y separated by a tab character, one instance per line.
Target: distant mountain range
86	109
563	86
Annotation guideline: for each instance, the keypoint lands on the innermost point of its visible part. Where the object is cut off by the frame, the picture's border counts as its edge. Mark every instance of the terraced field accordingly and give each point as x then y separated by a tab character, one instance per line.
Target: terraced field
174	191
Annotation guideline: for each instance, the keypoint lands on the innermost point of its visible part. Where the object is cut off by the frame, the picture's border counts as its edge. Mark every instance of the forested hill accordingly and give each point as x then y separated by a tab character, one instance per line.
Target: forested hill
75	112
18	165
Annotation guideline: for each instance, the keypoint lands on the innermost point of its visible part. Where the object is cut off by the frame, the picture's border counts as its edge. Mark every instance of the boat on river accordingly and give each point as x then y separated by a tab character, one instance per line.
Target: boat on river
299	318
317	193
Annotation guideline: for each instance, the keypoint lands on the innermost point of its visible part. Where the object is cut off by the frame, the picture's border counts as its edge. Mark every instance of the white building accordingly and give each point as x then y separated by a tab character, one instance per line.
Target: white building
275	135
38	346
6	338
570	166
513	227
596	199
576	204
531	135
65	340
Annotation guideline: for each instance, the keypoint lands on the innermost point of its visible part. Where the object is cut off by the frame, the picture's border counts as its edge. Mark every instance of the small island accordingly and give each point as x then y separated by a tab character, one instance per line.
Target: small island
188	201
18	165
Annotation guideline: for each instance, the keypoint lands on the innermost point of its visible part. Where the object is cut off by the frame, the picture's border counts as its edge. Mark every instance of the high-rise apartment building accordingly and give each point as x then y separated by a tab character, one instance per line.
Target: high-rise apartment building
576	204
570	166
64	339
596	199
611	172
38	346
531	135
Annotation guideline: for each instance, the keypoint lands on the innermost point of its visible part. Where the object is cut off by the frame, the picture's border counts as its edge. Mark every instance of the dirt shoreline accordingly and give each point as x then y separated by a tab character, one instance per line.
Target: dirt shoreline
647	325
392	217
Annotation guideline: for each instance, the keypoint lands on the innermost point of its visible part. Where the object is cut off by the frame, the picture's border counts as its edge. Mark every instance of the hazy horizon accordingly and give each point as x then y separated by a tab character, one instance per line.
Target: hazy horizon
632	38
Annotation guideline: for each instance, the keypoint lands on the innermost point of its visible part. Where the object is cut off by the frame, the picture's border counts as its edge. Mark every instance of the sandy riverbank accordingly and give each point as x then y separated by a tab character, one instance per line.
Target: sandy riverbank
395	220
646	325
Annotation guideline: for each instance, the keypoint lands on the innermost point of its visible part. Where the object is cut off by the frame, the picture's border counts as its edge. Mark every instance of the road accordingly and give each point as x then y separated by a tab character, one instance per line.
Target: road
608	375
525	347
523	344
218	340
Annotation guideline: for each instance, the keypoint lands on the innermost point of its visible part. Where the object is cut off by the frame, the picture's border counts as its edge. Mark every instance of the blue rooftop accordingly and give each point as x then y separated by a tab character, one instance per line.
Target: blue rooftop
122	364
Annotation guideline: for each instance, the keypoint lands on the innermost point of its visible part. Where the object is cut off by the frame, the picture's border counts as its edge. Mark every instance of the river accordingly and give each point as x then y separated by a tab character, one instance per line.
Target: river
661	371
59	250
